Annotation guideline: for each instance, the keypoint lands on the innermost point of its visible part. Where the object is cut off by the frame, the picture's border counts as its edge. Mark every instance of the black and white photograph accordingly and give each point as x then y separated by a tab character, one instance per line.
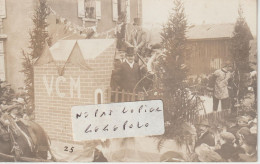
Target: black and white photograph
128	81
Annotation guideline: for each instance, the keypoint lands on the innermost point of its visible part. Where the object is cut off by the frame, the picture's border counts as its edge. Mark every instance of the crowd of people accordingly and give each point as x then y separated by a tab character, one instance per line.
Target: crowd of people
11	103
236	141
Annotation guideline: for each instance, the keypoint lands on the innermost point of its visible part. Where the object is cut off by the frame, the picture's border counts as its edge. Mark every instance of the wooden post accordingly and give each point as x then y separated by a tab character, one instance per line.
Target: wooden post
133	96
116	95
123	95
109	95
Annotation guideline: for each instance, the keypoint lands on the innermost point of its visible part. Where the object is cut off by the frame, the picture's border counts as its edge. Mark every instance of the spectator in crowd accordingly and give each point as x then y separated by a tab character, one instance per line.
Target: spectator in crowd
227	147
3	104
8	92
242	121
204	135
220	82
242	133
248	144
21	93
253	126
129	72
15	111
206	154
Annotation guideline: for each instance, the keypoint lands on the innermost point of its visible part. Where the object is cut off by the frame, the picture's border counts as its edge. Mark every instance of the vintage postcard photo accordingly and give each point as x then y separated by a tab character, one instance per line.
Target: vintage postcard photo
128	81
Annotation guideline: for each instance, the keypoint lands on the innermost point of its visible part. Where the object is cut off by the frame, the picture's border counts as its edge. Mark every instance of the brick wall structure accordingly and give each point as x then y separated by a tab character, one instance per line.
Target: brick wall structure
56	93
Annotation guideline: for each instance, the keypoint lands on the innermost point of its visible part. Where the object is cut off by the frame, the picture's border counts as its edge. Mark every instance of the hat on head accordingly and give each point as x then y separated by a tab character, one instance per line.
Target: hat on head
130	51
243	119
137	21
227	136
243	131
227	63
204	122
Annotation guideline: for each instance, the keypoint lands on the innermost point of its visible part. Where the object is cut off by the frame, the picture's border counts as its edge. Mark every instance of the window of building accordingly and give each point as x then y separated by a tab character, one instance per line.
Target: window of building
89	10
98	96
120	7
215	63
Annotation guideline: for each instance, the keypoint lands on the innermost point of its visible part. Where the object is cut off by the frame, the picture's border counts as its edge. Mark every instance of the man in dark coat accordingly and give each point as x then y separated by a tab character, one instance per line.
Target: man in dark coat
129	72
204	135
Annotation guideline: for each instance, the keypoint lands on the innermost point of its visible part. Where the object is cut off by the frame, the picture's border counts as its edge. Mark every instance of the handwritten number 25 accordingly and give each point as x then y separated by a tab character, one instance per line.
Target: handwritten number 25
66	149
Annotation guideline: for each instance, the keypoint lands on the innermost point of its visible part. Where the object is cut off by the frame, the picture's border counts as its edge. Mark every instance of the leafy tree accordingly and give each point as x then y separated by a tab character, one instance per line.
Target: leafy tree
38	37
240	52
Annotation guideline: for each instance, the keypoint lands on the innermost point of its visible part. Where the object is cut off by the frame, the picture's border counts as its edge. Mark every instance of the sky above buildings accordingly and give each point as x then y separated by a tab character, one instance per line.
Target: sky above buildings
202	11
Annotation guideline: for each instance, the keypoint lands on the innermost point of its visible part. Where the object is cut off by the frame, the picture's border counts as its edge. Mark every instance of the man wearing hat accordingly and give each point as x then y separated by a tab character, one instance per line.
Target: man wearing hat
249	145
204	135
137	38
8	92
220	93
227	150
129	72
241	121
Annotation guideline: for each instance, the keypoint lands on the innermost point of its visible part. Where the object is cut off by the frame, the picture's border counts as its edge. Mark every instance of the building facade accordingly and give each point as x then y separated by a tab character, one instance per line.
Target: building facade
16	22
71	73
104	13
208	47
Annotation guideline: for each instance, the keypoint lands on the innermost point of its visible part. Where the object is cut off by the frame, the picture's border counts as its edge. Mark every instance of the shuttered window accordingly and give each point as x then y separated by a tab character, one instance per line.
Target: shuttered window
115	9
98	10
89	9
81	8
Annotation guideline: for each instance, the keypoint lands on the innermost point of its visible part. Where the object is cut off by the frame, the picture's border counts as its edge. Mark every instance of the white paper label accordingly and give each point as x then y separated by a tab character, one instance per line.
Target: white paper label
117	120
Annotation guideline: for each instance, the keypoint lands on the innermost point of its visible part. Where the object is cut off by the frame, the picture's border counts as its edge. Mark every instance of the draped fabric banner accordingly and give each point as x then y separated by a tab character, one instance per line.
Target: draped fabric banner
82	30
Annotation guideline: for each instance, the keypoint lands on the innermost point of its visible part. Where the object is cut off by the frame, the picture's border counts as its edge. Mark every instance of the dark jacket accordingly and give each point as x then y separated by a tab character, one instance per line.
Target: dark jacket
227	151
129	77
207	138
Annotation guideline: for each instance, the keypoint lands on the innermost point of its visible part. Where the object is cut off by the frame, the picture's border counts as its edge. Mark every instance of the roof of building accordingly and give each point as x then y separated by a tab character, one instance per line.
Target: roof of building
197	32
210	31
62	50
90	48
